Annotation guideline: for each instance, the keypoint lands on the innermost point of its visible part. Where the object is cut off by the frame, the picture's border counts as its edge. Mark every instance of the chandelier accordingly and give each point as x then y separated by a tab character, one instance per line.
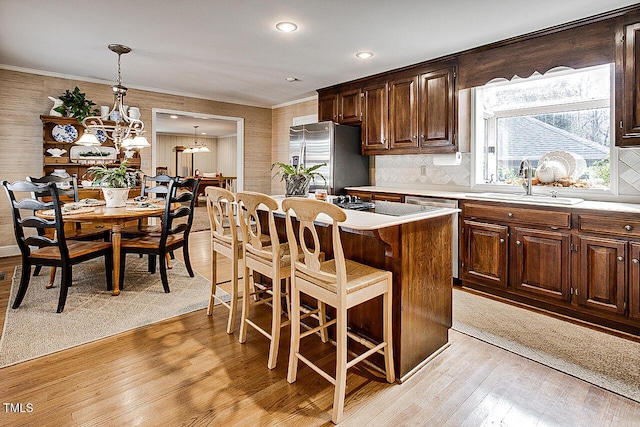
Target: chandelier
124	130
196	147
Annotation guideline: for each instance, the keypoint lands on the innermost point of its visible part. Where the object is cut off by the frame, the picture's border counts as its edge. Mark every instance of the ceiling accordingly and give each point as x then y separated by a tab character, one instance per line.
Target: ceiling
230	50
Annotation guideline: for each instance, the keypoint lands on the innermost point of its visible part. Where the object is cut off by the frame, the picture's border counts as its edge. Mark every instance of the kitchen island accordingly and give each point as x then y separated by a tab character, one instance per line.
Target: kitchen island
416	248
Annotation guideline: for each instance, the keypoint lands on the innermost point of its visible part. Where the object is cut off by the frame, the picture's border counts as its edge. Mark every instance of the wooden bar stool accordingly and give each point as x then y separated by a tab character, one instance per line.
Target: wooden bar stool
226	241
340	283
271	259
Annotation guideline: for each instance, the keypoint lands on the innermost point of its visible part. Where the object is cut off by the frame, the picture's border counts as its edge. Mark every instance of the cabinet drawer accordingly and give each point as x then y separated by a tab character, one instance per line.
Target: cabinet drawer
618	226
540	217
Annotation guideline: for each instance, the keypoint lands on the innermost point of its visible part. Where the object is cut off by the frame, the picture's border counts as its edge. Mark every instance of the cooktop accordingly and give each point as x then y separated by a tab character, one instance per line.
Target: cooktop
385	208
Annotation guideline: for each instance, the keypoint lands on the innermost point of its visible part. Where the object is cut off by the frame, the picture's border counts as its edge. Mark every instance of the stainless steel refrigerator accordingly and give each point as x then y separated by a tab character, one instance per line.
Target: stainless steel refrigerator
336	145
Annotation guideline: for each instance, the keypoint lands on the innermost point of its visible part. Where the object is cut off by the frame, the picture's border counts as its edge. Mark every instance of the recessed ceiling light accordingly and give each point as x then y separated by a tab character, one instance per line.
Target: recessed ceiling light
364	55
286	27
173	116
291	79
203	133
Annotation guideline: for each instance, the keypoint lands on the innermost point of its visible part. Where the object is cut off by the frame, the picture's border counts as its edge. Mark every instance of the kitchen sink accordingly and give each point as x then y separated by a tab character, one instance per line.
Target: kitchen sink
523	198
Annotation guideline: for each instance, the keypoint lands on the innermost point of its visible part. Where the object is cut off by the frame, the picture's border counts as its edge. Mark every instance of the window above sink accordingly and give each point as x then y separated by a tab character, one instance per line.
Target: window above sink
563	116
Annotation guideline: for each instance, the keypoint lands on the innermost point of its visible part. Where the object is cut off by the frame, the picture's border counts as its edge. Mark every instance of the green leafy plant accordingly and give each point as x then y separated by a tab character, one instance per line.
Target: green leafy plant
74	104
602	169
298	178
285	170
93	154
111	177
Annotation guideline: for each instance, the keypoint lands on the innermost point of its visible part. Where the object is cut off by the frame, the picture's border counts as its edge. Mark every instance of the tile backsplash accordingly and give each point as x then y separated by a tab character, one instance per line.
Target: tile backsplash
395	171
407	169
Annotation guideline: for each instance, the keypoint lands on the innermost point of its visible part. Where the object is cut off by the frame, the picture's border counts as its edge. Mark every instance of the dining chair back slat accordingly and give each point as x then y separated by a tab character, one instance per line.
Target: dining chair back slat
155	185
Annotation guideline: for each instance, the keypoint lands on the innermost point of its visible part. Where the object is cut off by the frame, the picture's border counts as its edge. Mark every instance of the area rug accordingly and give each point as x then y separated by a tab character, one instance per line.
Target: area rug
200	218
605	360
91	312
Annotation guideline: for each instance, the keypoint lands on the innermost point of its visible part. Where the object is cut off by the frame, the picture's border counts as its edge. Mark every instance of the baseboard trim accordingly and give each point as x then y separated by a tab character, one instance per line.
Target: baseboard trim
7	251
424	362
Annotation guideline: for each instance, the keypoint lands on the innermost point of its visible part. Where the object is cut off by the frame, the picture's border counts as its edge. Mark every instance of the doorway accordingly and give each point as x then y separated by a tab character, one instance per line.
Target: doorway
182	123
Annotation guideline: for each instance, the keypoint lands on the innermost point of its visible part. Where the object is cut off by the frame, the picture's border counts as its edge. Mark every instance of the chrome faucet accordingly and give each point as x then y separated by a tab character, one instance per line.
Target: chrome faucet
525	174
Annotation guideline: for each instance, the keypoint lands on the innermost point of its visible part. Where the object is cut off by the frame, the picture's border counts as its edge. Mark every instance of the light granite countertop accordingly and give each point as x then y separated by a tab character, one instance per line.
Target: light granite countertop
608	206
367	221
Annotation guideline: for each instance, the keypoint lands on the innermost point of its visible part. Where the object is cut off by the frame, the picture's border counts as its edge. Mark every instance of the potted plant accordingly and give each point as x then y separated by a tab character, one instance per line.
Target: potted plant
297	178
74	104
115	183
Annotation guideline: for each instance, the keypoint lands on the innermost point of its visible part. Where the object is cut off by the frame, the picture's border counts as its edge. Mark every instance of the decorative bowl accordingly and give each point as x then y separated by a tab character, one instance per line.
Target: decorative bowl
56	152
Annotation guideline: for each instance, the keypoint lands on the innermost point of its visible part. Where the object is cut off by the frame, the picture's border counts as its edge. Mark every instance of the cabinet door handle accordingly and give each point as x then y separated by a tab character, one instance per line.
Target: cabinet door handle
518	242
553	227
635	261
510	215
620	258
501	240
628	227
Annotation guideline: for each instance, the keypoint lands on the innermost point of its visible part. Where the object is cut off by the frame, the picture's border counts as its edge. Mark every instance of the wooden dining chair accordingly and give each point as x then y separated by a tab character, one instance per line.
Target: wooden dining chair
152	186
68	188
55	250
270	259
340	283
172	236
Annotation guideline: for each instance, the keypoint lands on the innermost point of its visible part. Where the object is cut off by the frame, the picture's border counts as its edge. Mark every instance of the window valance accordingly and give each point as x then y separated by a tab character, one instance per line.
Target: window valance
582	46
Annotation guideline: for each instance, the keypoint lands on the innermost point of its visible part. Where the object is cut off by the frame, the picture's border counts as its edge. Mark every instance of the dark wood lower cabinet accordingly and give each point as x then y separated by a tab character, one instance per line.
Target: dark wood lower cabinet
581	264
541	263
602	279
634	281
484	249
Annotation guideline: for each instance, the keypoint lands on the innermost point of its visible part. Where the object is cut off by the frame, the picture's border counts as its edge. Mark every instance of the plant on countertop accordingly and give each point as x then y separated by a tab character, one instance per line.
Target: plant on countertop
111	177
74	104
298	178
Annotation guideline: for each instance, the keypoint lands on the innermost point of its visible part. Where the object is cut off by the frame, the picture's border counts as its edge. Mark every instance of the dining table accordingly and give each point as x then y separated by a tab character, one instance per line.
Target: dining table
116	218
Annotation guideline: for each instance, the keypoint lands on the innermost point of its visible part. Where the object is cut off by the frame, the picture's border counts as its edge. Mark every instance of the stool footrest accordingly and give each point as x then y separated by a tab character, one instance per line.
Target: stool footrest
315	368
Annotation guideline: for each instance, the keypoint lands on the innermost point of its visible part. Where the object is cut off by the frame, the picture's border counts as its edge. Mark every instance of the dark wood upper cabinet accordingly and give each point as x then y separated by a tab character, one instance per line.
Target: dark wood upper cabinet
328	108
403	113
375	125
629	123
410	111
436	110
349	106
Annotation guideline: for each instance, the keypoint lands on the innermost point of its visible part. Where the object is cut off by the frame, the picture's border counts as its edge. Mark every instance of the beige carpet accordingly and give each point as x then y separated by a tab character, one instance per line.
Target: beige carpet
200	218
91	312
605	360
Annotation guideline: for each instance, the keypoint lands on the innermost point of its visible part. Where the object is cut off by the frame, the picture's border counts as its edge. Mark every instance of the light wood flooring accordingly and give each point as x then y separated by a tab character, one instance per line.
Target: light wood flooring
188	371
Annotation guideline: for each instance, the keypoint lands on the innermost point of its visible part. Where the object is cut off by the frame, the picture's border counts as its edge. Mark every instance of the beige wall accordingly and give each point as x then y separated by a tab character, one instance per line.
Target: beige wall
166	155
282	119
24	98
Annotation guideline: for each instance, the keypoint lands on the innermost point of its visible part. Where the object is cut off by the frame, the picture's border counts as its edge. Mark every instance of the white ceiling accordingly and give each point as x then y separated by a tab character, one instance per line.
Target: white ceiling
230	50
